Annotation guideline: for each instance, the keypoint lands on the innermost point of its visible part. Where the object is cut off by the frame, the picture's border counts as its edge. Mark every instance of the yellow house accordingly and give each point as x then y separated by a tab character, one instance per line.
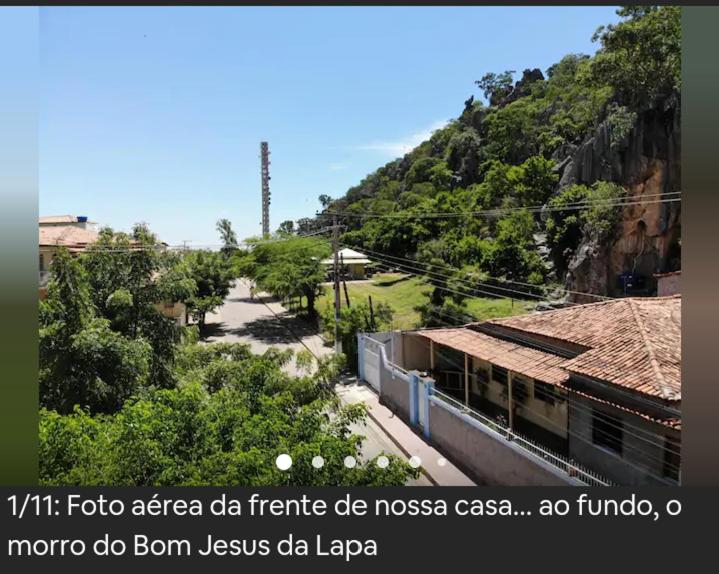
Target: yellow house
353	262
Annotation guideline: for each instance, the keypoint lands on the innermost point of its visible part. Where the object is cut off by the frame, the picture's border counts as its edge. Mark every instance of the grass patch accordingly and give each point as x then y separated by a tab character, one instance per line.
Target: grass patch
405	292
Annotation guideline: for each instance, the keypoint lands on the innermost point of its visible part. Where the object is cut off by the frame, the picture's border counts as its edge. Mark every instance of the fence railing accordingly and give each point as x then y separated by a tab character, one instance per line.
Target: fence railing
560	462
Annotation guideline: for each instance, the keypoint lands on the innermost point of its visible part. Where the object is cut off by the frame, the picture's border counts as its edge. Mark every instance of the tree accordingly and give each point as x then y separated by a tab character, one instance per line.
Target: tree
566	228
640	56
496	87
446	303
289	268
325	200
512	253
82	360
228	434
213	274
355	319
129	276
228	236
287	227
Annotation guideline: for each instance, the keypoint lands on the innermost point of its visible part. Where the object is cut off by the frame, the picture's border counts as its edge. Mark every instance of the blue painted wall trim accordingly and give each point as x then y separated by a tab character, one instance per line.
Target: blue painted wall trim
414	398
428	388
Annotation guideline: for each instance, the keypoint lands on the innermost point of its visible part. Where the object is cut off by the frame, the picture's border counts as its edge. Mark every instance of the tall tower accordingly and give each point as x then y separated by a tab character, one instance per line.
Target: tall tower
265	155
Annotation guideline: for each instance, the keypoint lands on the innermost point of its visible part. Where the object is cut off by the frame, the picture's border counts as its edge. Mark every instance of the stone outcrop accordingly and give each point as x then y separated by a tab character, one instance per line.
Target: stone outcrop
647	162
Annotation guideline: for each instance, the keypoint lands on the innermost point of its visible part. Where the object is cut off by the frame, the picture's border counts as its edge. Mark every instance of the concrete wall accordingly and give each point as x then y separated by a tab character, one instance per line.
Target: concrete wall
642	455
395	393
490	457
415	353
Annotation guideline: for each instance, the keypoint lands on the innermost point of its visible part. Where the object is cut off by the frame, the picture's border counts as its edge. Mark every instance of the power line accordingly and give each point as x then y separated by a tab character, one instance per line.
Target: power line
500	279
619	202
520	353
473	282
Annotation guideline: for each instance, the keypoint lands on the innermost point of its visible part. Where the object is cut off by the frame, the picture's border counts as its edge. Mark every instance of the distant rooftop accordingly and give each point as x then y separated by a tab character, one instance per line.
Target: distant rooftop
69	236
62	219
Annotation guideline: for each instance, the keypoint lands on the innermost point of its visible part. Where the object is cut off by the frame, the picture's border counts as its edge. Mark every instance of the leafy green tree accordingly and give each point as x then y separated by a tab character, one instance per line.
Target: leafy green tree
511	253
640	56
82	360
228	236
130	276
227	435
353	320
213	274
496	87
290	268
446	304
287	227
325	200
566	228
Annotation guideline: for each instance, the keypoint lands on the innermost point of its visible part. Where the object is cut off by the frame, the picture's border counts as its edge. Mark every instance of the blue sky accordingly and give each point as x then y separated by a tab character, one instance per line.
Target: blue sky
156	114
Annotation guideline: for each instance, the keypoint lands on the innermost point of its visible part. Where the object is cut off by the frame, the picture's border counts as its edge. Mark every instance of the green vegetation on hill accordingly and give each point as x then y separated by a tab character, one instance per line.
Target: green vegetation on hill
508	155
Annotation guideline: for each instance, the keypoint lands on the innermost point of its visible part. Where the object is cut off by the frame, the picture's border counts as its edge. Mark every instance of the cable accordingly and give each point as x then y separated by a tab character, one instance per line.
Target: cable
620	202
501	279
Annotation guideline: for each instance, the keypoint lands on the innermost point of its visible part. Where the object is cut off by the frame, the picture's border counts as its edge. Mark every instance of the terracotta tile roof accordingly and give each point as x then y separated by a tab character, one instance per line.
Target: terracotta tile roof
632	342
69	236
530	362
673	423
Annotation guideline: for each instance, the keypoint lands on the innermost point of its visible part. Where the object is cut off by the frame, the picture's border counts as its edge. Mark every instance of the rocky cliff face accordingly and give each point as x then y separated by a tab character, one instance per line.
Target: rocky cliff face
647	162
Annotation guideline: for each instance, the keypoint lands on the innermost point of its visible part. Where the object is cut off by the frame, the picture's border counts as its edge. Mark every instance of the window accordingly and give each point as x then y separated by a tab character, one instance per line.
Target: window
520	388
607	431
42	262
500	375
672	458
544	392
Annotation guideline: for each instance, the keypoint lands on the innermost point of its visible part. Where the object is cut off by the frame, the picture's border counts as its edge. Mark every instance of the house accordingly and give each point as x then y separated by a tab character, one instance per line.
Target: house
352	261
76	234
73	233
78	221
668	283
599	383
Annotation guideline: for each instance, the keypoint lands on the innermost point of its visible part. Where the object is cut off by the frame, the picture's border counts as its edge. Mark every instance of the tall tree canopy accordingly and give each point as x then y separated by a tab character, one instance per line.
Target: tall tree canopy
289	267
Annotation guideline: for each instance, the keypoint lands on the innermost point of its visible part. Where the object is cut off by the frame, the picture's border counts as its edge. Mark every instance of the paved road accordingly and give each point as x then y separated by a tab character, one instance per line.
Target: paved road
242	319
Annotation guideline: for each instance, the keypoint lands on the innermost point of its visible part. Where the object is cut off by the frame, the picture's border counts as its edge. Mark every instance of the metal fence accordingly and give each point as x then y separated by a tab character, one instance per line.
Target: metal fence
566	465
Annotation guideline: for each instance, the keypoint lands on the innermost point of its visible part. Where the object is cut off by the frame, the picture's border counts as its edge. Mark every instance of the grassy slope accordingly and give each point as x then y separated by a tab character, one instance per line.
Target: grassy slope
403	293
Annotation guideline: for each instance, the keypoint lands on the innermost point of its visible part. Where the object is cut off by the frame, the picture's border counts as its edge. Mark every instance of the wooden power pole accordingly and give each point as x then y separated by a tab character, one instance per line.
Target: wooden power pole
336	267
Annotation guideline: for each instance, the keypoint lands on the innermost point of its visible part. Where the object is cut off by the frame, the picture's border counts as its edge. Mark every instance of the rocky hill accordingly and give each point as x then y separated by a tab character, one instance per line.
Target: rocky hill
602	132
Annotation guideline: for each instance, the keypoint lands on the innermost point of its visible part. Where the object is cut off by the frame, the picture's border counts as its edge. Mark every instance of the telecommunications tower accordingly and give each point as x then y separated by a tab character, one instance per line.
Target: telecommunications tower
265	155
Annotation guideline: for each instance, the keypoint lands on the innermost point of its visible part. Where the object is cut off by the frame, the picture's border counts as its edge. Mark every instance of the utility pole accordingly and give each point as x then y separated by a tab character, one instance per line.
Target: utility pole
265	171
336	267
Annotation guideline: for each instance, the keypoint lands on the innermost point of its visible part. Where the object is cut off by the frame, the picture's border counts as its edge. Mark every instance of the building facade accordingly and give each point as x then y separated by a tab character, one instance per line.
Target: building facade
597	383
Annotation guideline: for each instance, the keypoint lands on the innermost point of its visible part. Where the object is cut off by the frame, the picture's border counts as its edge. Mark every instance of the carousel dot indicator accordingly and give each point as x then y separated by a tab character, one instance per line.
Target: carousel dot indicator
284	462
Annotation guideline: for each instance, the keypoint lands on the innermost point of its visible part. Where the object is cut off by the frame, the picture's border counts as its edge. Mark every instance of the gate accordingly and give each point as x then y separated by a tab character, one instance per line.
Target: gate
372	361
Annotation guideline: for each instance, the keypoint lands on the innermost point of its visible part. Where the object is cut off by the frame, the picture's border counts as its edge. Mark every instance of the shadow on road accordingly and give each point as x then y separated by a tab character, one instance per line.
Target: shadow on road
269	330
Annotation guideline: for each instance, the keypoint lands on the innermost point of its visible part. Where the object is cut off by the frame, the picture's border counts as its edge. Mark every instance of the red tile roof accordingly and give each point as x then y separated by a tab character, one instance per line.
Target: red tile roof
531	362
633	342
69	236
